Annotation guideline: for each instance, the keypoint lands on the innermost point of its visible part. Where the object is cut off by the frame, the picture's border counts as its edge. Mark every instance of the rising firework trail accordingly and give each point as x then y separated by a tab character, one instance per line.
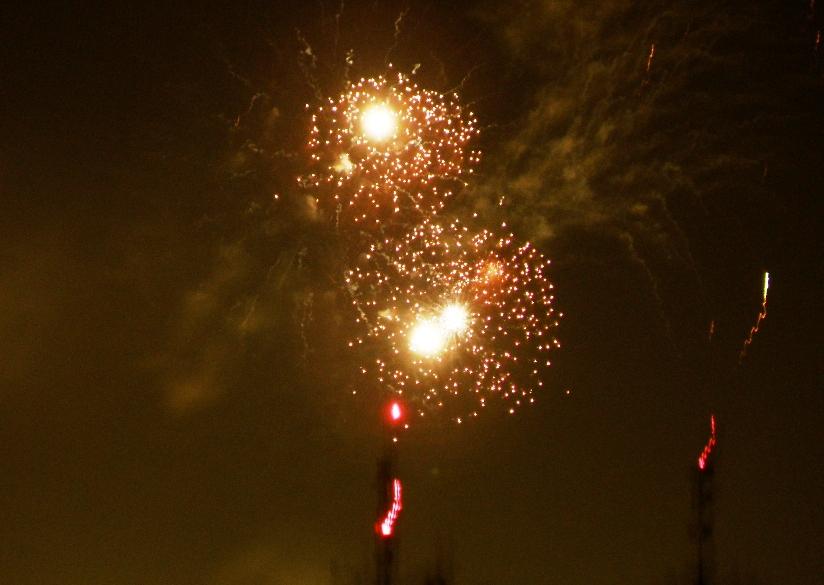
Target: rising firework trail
387	152
390	499
386	524
704	476
762	314
452	318
703	458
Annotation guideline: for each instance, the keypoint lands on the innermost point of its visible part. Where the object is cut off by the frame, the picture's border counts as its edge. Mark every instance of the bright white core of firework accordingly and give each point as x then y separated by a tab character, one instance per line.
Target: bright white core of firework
427	338
378	122
454	318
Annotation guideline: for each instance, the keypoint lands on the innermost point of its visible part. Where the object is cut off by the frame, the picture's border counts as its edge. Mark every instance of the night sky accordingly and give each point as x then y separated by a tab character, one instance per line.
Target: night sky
175	388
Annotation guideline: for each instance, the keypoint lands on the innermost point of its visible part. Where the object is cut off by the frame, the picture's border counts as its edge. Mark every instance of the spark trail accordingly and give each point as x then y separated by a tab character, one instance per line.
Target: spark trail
650	57
762	314
386	525
704	457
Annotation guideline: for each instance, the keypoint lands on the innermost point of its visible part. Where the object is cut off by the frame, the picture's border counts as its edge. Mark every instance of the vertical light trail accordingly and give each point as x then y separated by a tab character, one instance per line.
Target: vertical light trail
762	314
650	57
386	526
703	458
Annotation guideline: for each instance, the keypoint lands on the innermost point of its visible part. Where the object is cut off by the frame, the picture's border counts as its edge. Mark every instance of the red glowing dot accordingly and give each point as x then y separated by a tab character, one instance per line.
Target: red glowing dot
395	412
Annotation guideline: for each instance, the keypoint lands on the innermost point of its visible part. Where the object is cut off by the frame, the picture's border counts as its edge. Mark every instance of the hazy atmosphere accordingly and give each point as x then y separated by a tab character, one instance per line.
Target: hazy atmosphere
215	276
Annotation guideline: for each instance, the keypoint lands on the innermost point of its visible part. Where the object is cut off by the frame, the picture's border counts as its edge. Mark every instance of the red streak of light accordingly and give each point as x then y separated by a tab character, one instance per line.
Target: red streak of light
386	527
703	458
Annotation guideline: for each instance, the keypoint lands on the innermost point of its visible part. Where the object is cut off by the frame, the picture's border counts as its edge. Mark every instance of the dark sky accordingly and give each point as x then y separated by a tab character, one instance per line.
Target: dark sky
174	392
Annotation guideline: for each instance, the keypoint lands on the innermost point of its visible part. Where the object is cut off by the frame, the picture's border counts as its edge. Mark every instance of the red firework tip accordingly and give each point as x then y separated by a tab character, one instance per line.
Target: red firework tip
386	525
703	458
395	411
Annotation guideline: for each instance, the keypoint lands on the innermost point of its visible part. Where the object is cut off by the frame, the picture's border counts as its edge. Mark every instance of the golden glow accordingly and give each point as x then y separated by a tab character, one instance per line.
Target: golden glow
378	122
385	158
493	270
435	281
427	338
344	165
454	318
387	150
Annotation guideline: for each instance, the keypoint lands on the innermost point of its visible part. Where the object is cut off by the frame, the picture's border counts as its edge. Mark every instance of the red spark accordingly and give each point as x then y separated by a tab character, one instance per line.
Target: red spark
703	458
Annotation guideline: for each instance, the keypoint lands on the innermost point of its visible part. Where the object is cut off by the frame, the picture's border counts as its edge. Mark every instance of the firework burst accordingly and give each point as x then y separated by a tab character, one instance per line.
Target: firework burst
453	318
387	152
